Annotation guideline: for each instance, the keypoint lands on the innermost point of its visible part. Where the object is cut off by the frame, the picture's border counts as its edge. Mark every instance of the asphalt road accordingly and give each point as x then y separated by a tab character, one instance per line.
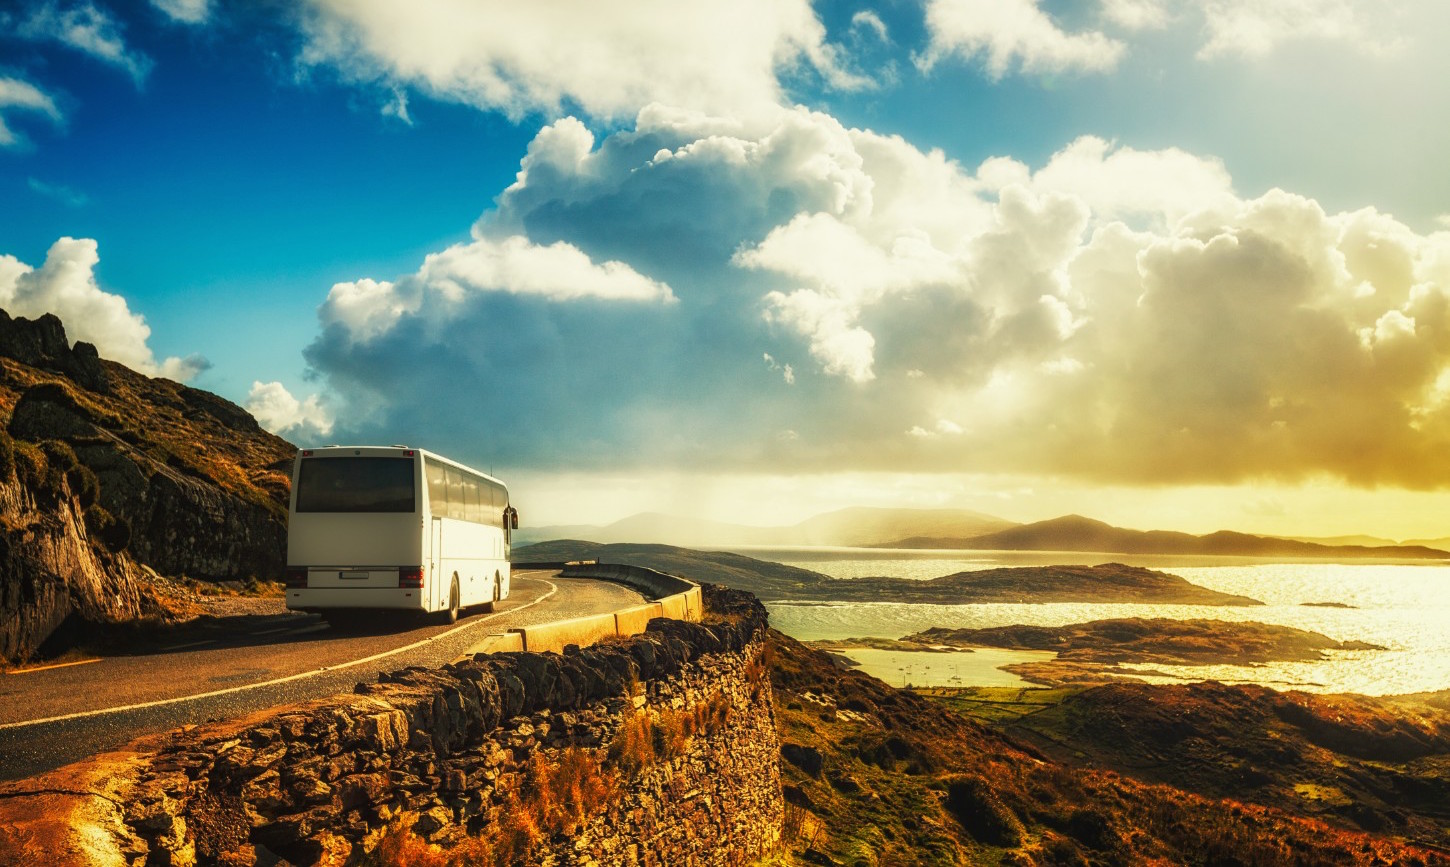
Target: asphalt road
54	716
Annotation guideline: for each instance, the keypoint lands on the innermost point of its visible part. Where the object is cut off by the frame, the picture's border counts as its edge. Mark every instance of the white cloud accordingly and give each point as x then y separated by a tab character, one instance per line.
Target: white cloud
279	412
512	265
66	286
868	20
608	59
1252	28
88	29
22	95
1137	14
843	347
185	11
1119	183
1114	314
1008	33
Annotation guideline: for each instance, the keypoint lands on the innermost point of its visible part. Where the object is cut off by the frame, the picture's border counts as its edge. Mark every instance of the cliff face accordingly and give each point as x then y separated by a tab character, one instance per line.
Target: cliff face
53	568
154	473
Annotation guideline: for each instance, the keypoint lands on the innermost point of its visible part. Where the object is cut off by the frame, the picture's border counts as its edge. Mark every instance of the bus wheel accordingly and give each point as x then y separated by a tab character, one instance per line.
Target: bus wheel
451	615
492	604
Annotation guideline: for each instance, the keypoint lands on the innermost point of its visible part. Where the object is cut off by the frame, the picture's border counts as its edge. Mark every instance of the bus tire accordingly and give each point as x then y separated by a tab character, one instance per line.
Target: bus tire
450	615
492	604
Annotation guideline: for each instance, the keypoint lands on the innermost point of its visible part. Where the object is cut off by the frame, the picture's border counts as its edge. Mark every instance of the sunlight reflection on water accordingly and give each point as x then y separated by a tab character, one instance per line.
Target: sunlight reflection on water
1405	609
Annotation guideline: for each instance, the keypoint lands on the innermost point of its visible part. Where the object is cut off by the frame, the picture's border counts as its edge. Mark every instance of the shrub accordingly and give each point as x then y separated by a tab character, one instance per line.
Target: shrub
632	748
982	813
31	466
109	530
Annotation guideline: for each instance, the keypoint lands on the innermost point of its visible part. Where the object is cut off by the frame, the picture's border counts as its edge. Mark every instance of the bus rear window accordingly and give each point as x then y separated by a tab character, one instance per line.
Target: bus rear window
356	485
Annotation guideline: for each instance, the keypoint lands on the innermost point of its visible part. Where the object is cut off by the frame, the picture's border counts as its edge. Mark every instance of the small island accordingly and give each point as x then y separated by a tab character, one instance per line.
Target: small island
1094	652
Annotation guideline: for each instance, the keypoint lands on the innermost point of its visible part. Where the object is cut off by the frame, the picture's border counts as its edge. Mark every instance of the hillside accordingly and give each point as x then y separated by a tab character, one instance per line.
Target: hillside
142	473
1076	533
1111	582
1373	764
875	775
853	527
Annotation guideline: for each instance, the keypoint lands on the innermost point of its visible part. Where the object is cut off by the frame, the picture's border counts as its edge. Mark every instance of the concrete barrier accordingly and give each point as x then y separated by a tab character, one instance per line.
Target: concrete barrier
632	621
676	607
582	631
499	642
675	598
656	584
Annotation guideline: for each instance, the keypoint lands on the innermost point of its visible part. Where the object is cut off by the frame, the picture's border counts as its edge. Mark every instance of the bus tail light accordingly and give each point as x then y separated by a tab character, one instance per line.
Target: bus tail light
410	576
296	577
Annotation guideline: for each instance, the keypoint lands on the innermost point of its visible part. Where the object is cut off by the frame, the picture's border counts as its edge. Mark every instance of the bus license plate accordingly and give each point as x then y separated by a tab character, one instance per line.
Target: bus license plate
353	576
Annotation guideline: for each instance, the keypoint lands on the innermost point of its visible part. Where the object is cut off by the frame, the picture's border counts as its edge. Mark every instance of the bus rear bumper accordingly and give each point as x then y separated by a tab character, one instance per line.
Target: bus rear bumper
332	598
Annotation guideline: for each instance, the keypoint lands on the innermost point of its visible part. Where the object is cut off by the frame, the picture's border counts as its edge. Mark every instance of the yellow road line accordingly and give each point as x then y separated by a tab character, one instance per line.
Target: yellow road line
55	665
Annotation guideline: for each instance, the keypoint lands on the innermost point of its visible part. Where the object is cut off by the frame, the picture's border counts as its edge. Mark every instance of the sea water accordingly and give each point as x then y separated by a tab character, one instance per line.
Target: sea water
1403	608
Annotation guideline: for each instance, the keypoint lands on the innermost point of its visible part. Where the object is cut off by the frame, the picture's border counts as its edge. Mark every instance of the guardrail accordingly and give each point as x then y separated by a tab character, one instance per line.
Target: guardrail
673	597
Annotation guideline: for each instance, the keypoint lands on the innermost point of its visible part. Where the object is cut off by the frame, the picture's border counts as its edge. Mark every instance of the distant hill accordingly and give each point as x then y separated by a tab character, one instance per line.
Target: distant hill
853	527
1110	582
1365	541
1076	533
1443	543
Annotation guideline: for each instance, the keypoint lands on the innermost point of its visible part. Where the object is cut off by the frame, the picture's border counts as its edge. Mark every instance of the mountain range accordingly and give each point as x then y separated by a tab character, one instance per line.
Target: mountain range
960	529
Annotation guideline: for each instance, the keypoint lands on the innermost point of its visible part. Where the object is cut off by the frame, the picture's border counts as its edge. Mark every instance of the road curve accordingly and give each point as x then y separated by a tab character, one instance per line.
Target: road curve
53	716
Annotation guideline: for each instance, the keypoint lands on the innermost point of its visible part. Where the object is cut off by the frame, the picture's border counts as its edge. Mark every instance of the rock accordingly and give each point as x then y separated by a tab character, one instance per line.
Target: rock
806	758
42	343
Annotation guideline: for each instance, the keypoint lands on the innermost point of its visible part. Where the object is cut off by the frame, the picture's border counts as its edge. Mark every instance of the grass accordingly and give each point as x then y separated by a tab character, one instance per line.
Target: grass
994	705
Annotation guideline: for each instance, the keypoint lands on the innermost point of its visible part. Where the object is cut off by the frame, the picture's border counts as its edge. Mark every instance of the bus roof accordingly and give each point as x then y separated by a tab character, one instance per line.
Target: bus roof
379	451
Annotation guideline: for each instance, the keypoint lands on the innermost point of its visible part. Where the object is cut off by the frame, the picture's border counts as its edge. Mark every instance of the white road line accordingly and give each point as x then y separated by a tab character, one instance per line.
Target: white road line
553	588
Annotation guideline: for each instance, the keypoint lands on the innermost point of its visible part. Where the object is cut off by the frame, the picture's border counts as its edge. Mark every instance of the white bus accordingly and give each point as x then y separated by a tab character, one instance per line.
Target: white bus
392	527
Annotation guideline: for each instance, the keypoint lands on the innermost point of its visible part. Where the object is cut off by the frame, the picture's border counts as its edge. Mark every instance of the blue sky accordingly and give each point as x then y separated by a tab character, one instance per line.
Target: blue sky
1166	263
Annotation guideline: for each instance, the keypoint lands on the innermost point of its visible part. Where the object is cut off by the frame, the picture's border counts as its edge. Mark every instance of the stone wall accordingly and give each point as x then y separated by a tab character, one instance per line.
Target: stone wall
656	750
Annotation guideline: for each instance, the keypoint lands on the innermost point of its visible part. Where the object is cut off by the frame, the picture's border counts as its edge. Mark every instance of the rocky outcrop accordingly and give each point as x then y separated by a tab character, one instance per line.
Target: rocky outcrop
202	488
657	750
182	522
42	343
106	471
53	574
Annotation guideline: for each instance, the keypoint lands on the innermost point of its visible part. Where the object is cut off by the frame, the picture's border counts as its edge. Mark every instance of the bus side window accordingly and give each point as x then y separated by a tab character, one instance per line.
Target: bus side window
437	490
474	513
456	507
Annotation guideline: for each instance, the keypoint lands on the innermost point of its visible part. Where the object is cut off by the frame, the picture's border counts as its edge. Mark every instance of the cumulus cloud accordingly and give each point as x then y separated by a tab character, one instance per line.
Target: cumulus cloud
66	286
366	309
87	28
1112	314
608	60
279	412
1013	33
16	94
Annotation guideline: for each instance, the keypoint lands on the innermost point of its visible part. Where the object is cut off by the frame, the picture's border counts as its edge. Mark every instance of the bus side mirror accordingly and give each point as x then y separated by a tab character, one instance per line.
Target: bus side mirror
513	518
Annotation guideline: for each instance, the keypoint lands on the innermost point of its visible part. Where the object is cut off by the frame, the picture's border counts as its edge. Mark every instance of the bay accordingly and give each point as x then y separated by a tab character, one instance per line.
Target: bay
1402	607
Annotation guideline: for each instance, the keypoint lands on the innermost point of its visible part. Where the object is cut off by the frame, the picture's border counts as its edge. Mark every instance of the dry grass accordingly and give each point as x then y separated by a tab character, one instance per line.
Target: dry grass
555	797
559	796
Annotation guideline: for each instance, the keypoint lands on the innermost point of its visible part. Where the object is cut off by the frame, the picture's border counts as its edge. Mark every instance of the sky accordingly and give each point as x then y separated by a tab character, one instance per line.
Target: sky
1170	264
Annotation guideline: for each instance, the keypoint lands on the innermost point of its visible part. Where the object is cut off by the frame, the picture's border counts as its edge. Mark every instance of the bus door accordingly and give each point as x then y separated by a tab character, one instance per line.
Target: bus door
435	563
